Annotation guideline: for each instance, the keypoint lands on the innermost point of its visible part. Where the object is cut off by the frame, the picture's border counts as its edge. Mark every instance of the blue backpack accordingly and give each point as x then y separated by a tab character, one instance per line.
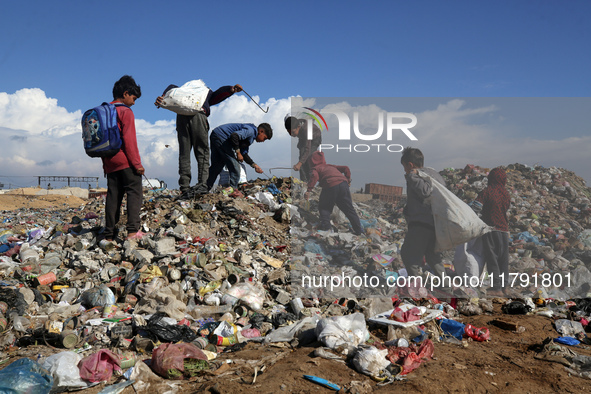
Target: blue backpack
100	131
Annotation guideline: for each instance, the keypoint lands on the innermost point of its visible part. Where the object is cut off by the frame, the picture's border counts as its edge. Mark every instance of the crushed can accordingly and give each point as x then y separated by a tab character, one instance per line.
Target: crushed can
69	339
174	274
46	279
201	342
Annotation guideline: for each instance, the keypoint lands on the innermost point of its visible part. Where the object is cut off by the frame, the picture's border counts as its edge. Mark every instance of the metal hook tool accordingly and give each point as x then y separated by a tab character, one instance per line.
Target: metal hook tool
256	102
278	168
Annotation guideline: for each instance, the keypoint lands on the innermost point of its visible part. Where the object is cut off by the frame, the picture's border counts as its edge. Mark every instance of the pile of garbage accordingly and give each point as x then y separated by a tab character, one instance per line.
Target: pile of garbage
225	270
549	223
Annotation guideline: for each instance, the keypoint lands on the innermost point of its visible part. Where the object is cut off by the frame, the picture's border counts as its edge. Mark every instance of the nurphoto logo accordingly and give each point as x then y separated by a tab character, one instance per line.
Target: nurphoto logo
396	124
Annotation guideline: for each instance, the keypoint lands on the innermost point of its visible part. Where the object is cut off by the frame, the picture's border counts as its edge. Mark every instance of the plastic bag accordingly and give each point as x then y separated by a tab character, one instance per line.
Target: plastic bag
99	367
455	222
453	328
187	99
97	296
168	360
165	332
409	315
348	331
25	376
288	333
469	258
247	293
567	341
478	334
569	328
516	308
63	367
371	361
267	199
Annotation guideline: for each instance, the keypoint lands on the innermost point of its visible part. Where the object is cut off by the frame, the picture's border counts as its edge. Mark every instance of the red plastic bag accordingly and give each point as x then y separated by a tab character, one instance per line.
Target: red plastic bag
170	357
99	367
405	316
478	334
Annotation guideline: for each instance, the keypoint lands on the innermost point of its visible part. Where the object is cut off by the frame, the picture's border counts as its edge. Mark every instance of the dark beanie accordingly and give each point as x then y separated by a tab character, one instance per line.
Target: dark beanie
169	87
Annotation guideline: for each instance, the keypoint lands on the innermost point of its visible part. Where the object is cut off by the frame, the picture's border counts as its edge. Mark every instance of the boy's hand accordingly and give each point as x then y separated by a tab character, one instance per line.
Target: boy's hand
158	102
236	88
297	166
239	157
258	169
140	171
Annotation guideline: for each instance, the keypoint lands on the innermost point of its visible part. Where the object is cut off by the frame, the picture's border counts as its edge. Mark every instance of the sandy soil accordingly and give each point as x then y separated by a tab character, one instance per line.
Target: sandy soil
506	363
10	202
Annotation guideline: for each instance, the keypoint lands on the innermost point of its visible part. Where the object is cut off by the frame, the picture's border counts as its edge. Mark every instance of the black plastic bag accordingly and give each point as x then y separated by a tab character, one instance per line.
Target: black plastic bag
168	332
516	308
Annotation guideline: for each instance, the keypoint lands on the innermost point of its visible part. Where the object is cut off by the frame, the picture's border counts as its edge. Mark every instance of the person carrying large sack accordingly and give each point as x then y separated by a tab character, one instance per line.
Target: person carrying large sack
192	133
420	239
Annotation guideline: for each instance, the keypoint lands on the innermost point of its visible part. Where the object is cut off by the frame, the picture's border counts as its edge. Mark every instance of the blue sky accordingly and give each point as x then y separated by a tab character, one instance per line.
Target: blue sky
60	58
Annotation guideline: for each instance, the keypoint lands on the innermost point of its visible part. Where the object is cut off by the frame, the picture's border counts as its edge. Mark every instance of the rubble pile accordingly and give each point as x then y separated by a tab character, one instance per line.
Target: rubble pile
549	220
226	270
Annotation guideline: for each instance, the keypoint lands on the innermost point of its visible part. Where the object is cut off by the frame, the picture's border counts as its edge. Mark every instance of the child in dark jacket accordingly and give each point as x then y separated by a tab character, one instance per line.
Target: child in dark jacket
419	242
495	202
335	181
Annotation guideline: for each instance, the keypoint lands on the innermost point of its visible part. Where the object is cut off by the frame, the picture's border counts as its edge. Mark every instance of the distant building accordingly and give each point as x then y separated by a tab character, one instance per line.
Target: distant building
387	193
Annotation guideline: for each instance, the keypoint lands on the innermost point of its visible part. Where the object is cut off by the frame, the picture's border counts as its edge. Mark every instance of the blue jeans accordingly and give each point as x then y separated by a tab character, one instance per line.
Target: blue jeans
222	155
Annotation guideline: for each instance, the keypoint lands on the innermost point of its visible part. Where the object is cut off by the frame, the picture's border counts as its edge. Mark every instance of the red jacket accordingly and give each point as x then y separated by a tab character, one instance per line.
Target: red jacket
327	175
129	155
495	200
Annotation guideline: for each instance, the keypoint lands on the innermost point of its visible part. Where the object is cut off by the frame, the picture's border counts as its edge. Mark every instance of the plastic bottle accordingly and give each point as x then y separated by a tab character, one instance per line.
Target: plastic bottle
19	323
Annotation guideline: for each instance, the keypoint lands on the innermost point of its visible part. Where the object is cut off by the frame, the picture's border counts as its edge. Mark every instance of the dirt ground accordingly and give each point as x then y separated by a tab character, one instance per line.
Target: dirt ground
506	363
9	202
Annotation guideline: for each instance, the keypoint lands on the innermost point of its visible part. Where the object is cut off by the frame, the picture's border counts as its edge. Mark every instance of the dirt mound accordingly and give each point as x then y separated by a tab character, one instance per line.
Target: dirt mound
14	201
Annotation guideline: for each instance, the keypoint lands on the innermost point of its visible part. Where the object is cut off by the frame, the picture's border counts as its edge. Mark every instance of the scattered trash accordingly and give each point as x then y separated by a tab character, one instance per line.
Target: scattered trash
221	272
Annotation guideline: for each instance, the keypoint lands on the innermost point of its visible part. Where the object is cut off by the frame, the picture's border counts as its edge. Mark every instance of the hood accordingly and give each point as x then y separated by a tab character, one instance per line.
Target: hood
317	159
497	176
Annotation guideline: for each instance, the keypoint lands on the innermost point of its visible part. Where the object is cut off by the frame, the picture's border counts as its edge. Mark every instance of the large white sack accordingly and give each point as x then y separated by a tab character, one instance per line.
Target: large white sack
455	222
187	99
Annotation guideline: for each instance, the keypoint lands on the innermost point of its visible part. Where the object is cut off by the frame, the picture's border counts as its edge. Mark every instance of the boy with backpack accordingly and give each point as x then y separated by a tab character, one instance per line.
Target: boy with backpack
124	170
335	181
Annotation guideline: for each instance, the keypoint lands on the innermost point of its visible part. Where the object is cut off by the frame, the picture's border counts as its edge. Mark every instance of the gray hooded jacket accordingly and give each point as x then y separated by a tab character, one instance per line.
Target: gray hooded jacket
418	189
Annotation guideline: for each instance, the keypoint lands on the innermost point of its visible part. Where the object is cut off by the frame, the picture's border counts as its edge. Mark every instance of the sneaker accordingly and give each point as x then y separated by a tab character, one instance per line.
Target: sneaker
138	235
186	195
200	189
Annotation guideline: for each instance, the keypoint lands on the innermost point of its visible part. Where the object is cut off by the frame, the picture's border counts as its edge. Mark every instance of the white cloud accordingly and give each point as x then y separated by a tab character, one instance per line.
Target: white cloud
41	138
32	110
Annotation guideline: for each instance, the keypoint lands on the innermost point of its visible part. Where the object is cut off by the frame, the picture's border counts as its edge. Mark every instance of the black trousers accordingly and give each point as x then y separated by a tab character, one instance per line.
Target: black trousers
341	196
119	184
419	243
